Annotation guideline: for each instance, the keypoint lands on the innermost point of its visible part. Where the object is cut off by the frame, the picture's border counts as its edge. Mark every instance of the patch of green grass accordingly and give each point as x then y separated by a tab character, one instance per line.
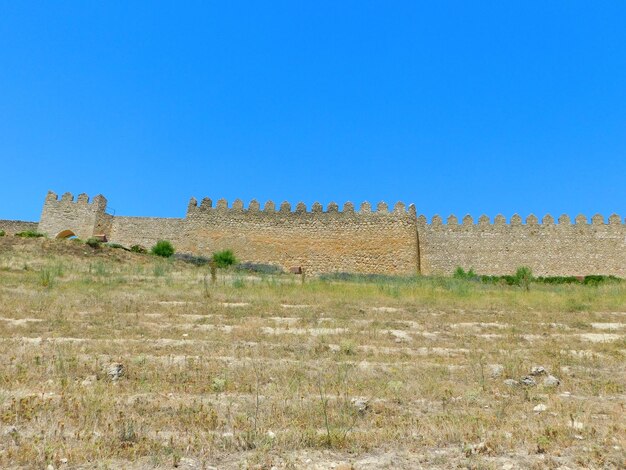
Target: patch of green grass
29	234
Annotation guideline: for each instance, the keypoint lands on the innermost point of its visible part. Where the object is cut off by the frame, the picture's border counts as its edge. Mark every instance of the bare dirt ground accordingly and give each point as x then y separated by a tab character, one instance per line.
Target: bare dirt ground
115	360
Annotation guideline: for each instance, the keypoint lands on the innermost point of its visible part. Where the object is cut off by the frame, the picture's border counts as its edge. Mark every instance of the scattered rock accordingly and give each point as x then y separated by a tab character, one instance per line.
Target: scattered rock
551	381
511	382
496	370
539	408
115	370
360	403
537	370
528	381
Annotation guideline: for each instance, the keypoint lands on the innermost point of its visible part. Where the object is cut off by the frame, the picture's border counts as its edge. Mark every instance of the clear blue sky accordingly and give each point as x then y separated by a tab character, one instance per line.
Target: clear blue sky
459	107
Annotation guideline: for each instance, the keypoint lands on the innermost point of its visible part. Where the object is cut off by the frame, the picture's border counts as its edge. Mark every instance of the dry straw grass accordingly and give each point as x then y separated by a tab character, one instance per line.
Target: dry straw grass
261	371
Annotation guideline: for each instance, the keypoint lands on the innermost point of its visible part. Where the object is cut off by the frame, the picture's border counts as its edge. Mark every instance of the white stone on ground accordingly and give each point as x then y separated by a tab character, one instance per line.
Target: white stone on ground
537	370
360	403
551	381
115	370
496	370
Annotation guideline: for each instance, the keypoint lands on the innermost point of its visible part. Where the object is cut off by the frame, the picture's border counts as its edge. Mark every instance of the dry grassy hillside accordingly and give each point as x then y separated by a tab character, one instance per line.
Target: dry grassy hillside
117	360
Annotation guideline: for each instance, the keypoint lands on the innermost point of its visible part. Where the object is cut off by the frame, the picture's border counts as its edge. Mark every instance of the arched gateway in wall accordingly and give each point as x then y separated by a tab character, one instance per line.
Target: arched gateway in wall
66	234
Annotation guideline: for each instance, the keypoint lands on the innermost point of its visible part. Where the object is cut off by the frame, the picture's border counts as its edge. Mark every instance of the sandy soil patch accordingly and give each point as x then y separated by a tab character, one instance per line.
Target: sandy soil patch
607	326
600	337
20	321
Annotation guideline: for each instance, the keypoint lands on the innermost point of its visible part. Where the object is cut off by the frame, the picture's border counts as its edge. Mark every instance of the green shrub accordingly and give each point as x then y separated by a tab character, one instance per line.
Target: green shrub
138	249
29	234
459	273
557	280
163	248
2	233
523	277
597	279
225	258
93	242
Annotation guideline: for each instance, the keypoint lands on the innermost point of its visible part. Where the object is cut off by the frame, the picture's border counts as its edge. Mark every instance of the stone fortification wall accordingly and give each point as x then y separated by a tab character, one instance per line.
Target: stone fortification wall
81	217
359	241
549	248
363	241
11	227
146	231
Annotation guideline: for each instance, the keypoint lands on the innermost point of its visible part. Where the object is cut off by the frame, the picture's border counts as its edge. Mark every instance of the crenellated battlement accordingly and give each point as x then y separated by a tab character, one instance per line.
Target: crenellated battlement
516	220
99	202
254	207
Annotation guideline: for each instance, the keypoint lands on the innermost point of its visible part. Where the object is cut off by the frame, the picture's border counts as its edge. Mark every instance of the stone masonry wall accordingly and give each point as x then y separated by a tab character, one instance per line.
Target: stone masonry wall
146	231
358	241
548	248
81	217
363	241
11	227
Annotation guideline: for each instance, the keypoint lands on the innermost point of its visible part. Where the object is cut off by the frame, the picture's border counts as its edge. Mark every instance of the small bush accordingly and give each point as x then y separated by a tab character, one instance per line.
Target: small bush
93	242
557	280
29	234
2	233
138	249
224	259
597	279
459	273
523	277
163	248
